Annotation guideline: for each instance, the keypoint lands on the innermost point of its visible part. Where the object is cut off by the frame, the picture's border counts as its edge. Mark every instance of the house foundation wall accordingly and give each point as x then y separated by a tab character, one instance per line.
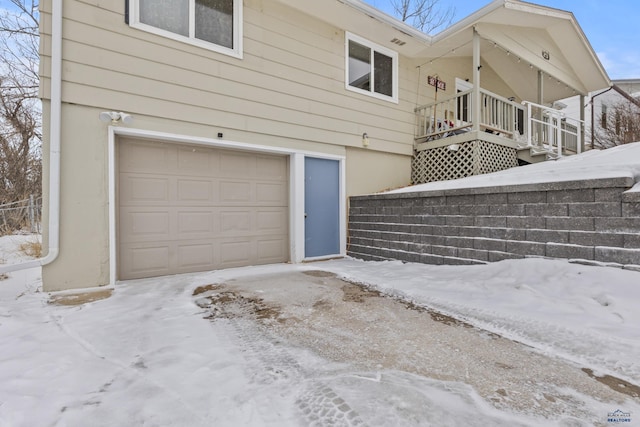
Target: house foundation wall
594	221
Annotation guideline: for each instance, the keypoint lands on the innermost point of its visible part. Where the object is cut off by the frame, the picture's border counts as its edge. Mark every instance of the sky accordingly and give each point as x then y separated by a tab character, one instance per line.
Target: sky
609	25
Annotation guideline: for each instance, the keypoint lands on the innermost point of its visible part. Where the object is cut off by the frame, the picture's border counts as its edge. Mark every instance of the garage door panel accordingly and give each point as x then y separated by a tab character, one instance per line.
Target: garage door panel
272	168
145	156
271	250
146	261
195	222
195	256
144	225
136	188
185	209
236	221
237	165
190	190
270	193
235	192
272	221
196	161
236	253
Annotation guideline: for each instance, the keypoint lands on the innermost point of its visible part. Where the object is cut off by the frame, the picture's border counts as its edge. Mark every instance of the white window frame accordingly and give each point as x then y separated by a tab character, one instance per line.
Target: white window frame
236	51
374	48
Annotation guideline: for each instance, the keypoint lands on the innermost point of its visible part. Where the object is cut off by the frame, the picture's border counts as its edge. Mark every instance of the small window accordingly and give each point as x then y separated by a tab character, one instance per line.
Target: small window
603	117
371	69
212	24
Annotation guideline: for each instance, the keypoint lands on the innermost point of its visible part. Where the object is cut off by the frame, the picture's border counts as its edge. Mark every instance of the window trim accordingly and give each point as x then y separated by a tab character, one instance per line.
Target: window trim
236	51
374	48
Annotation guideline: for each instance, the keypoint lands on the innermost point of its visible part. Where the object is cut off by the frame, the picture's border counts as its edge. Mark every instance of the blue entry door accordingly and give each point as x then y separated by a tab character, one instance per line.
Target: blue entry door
322	207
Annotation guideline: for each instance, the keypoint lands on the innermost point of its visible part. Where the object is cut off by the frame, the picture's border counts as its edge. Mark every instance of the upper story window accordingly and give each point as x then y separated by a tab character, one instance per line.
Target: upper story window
212	24
371	69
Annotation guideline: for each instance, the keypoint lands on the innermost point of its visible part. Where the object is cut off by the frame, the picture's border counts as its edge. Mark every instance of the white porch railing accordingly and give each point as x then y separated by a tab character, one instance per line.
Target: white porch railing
527	124
445	117
549	129
501	115
453	116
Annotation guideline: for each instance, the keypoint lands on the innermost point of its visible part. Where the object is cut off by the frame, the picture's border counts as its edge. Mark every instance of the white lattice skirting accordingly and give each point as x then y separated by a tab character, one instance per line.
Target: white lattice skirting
471	158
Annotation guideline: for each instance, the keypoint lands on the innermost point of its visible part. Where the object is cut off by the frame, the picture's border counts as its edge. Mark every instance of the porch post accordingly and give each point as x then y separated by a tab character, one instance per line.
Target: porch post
476	105
582	126
540	134
540	100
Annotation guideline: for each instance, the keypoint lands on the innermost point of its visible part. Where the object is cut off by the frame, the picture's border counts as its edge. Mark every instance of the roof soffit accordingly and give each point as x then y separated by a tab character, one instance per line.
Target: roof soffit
528	44
531	30
366	21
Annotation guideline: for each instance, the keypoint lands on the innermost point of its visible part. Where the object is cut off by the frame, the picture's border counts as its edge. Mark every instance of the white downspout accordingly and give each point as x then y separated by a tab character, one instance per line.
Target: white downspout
54	145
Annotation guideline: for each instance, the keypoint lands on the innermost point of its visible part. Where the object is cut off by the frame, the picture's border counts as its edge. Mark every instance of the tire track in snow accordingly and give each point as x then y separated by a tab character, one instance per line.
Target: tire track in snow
318	403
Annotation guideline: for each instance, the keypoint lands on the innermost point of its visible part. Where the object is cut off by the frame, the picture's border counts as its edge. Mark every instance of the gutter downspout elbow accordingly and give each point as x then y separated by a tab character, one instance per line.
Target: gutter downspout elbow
54	146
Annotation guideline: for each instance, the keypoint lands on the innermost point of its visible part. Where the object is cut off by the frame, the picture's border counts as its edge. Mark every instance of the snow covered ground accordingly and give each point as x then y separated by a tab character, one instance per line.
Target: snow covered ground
586	314
146	356
618	162
10	247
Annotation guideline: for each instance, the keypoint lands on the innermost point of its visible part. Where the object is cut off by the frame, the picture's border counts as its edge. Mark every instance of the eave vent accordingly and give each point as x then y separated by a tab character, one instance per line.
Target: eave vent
398	42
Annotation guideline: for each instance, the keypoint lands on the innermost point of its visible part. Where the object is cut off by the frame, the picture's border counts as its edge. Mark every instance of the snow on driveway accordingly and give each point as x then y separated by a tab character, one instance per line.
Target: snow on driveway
587	314
147	355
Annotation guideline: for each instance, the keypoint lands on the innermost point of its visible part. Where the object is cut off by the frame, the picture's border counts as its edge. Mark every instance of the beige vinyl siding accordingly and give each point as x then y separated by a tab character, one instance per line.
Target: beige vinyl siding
290	83
448	69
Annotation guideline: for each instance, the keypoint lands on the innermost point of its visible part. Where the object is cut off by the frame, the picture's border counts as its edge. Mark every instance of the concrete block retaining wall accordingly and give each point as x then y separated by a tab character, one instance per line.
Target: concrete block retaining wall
591	220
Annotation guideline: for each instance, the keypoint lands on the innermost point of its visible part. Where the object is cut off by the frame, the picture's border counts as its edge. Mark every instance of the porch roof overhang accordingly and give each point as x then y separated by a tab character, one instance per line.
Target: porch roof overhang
516	37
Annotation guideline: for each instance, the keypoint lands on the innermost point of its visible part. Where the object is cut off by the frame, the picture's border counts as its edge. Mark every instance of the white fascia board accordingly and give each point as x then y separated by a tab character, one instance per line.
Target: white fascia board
560	14
387	19
469	20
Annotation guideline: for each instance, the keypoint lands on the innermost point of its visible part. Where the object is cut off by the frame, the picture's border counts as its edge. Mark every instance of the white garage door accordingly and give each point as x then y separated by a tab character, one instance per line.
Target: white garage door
184	208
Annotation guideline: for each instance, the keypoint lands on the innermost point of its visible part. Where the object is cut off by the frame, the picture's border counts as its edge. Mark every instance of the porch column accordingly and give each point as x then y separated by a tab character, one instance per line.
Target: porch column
582	126
539	133
475	109
540	100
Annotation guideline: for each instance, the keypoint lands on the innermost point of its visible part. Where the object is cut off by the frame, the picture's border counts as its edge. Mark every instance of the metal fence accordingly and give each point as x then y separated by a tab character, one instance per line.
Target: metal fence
21	215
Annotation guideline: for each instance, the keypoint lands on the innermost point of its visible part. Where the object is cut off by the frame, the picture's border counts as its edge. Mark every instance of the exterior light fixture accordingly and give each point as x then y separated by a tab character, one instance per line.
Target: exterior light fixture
365	140
114	117
558	105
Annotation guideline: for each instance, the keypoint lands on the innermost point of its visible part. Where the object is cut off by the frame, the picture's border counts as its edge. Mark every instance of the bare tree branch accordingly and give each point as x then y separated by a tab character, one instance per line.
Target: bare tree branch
425	15
620	124
20	110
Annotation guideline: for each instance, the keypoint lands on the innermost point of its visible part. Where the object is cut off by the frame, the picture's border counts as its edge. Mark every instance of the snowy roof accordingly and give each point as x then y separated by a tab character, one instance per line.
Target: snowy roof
618	162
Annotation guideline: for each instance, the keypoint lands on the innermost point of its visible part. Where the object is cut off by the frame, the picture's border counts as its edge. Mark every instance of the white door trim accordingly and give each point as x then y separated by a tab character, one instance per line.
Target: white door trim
296	185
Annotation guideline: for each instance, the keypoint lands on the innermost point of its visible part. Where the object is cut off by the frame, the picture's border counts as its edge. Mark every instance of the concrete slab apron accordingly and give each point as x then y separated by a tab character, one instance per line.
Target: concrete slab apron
349	324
